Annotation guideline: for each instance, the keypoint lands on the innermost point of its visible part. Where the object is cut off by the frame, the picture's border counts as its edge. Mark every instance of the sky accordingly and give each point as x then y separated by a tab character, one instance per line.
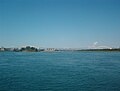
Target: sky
60	23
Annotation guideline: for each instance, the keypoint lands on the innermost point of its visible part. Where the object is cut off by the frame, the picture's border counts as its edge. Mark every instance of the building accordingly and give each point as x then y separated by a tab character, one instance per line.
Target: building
2	49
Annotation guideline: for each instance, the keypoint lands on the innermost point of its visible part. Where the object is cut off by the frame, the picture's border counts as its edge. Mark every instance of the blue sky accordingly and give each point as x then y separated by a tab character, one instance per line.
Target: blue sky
59	23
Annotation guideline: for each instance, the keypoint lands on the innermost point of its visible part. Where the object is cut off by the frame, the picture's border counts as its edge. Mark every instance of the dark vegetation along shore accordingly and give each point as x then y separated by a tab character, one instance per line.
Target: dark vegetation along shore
109	50
26	49
34	49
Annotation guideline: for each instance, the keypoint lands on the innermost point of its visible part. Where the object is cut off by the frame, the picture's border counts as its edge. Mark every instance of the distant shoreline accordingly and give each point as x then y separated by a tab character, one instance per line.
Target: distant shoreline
34	49
105	50
86	50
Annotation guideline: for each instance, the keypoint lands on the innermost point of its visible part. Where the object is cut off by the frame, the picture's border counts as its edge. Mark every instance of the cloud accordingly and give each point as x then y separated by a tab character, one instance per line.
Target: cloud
95	43
96	46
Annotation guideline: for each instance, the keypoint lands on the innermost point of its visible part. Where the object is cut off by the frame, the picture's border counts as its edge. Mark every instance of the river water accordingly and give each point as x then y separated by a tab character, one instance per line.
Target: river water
60	71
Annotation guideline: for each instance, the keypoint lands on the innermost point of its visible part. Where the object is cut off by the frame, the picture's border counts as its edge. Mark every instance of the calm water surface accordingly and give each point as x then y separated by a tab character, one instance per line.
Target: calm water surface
60	71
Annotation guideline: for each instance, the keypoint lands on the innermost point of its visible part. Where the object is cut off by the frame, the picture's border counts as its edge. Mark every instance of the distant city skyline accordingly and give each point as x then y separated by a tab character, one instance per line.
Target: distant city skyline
60	23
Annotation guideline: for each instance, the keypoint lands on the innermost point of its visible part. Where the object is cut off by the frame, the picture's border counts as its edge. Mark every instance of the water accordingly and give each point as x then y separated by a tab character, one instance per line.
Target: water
60	71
